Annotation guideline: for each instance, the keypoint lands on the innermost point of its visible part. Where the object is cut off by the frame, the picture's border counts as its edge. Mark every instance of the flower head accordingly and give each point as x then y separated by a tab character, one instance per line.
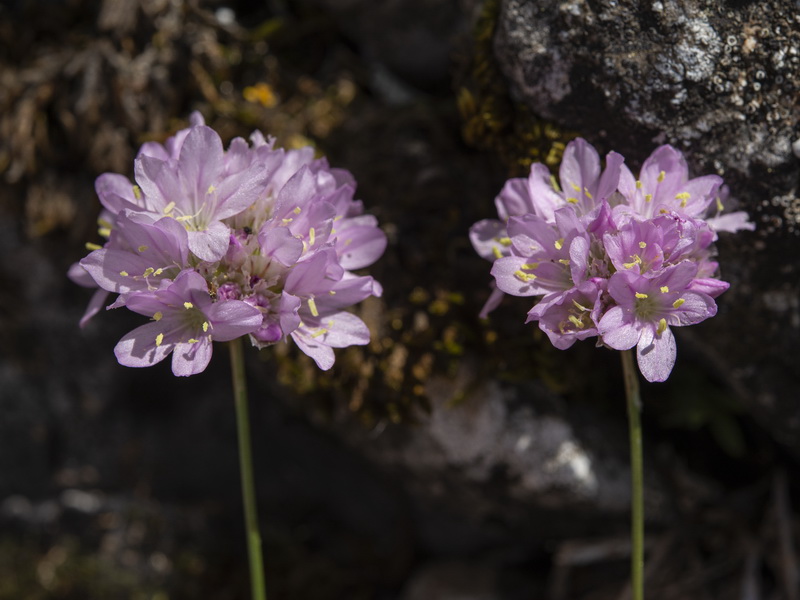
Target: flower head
613	256
213	244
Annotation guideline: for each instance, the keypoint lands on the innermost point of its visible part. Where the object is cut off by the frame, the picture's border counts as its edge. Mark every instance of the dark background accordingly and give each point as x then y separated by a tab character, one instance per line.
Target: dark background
452	458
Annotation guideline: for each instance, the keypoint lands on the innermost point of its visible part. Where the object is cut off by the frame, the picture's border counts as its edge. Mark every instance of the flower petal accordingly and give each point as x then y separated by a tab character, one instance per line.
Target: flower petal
656	359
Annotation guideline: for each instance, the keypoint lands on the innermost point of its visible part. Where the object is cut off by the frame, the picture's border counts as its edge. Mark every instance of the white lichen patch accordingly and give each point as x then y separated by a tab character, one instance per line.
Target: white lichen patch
698	50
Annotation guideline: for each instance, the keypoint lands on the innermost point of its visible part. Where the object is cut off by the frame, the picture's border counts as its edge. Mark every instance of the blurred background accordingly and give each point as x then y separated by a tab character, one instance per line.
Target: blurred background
453	458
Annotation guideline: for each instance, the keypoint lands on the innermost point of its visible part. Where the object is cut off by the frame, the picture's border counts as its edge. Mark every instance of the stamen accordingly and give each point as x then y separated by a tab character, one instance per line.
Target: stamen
332	292
559	243
205	326
678	303
579	306
297	210
159	339
642	245
720	208
312	306
137	192
142	248
319	332
495	250
158	271
123	273
662	326
104	232
563	261
638	184
148	271
588	193
158	316
661	176
640	295
636	261
287	221
683	196
504	241
168	208
576	321
188	305
91	246
572	200
577	188
554	183
211	189
523	276
648	197
530	266
312	235
664	289
192	340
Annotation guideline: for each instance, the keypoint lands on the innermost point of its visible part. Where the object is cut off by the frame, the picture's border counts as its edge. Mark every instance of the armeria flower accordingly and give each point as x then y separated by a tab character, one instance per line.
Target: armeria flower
264	240
612	256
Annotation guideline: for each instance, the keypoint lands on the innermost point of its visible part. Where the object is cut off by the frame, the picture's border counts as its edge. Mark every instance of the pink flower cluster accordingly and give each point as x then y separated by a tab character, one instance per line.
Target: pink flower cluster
214	244
611	255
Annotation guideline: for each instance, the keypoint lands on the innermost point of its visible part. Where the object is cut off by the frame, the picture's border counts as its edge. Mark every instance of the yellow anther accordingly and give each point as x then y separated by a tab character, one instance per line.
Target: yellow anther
664	289
638	184
640	295
554	183
159	339
148	271
576	321
720	208
91	246
211	189
572	200
184	218
205	326
661	176
683	203
648	197
192	340
642	244
330	323
188	305
312	306
523	276
348	242
563	261
158	316
577	188
297	210
678	303
496	251
158	271
579	306
104	223
168	208
312	235
504	241
123	273
662	326
636	261
287	221
319	332
559	243
104	232
332	292
530	266
142	248
137	192
663	211
683	196
588	193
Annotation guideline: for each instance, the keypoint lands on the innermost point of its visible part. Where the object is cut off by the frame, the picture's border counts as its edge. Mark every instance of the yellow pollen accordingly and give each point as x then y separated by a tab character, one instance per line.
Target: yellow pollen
664	289
287	221
661	176
192	340
205	326
319	332
636	261
104	223
158	316
588	193
158	271
523	276
640	295
683	203
563	261
642	244
148	271
330	323
188	305
211	189
663	211
577	188
662	326
648	197
312	235
91	246
142	248
638	184
137	192
312	306
332	292
720	208
104	232
530	266
168	208
496	251
504	241
554	183
559	243
184	218
348	242
683	196
678	303
297	210
572	200
123	273
576	321
159	339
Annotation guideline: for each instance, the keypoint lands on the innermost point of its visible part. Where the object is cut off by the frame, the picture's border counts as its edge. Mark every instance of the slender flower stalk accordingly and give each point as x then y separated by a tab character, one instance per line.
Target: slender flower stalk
246	468
637	474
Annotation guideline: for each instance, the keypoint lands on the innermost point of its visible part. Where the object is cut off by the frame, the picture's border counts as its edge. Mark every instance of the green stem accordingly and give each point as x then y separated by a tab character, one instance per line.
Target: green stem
246	468
637	474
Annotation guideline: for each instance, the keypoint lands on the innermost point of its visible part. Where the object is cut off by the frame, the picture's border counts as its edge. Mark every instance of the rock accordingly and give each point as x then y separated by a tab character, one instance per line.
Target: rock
719	81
